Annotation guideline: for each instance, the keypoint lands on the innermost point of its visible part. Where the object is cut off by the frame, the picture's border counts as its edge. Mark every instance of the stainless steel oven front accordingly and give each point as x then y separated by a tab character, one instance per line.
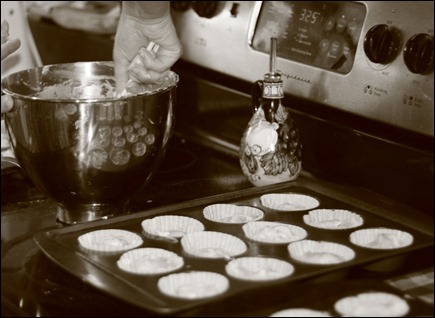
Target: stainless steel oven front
369	58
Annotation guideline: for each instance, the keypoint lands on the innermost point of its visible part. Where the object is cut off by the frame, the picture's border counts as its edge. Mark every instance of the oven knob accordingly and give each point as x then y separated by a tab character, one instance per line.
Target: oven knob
381	44
418	54
205	9
180	6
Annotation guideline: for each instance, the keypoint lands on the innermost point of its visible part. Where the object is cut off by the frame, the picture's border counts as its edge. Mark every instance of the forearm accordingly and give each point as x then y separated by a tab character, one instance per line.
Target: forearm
146	9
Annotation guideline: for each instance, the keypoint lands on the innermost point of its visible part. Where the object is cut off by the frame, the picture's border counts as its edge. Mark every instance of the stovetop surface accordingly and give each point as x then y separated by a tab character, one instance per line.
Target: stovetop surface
33	285
194	167
197	167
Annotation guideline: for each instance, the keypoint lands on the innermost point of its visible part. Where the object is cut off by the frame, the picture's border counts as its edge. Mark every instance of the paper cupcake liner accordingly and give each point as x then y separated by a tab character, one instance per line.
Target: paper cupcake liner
259	268
150	261
210	244
193	285
381	238
110	240
320	252
175	226
231	213
289	201
300	312
372	304
332	219
273	232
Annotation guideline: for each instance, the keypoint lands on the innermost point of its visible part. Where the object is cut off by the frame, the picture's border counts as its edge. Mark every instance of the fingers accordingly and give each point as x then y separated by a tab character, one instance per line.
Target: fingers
121	69
151	64
7	103
154	61
147	76
10	47
159	61
121	75
140	73
5	30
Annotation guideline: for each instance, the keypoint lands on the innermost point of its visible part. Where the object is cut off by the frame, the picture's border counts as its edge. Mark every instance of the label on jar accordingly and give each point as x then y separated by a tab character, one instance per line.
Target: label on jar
273	90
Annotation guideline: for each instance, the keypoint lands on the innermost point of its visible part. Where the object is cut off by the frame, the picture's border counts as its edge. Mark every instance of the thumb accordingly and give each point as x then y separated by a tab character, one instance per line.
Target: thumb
7	103
157	62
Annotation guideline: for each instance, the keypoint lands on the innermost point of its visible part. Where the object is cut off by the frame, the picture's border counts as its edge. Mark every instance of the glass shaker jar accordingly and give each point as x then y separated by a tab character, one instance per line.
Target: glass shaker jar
270	149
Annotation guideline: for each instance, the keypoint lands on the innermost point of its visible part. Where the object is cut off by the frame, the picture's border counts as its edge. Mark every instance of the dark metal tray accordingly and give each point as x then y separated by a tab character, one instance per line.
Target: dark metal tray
100	269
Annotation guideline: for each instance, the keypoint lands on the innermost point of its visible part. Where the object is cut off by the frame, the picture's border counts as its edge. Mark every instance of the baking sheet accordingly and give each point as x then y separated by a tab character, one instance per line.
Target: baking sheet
100	270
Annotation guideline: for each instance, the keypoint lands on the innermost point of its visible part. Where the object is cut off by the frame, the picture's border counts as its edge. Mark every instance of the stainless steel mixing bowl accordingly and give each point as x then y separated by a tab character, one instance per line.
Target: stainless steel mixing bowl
85	147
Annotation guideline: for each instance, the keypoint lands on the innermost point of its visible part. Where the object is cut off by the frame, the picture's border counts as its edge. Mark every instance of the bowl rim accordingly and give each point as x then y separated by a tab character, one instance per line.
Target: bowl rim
5	90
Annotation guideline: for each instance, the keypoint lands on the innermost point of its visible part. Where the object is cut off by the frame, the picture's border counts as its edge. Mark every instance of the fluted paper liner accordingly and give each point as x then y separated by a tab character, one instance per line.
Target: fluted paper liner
110	240
320	252
381	238
149	260
231	213
333	219
259	268
289	201
372	304
273	232
300	312
193	285
210	244
171	225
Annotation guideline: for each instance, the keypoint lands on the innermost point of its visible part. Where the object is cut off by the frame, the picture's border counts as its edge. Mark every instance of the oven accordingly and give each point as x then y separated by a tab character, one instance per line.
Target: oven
358	80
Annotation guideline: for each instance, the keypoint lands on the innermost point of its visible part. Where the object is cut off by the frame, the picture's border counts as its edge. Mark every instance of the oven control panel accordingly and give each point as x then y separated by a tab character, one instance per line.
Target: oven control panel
373	59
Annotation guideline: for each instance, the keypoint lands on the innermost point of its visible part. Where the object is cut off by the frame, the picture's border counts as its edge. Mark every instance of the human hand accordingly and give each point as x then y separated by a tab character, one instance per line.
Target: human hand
9	46
135	32
7	103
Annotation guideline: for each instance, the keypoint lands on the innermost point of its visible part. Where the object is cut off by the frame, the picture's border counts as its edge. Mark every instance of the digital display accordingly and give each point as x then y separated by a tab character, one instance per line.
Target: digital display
323	34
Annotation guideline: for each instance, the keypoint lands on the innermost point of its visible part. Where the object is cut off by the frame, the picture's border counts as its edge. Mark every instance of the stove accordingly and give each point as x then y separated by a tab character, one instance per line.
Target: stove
365	120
